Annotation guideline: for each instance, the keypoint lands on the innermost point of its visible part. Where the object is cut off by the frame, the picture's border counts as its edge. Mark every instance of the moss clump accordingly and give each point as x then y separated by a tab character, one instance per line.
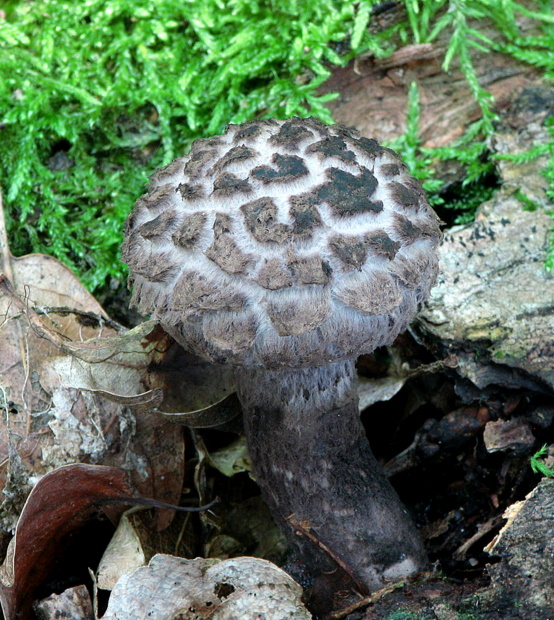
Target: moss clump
95	95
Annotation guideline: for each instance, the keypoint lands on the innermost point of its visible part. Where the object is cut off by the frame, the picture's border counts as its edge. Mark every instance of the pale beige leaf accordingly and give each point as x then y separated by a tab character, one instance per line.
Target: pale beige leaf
123	553
246	588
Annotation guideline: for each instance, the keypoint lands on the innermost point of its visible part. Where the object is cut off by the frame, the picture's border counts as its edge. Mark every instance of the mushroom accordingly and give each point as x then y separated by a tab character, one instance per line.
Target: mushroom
287	249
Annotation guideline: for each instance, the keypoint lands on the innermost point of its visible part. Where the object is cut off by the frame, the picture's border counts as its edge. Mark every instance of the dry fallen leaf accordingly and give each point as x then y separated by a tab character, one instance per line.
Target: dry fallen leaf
81	424
76	387
170	587
60	504
124	553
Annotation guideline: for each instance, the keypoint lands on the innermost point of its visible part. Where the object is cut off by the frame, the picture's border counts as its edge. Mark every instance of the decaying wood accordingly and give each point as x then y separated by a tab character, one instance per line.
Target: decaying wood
373	91
399	58
493	305
523	577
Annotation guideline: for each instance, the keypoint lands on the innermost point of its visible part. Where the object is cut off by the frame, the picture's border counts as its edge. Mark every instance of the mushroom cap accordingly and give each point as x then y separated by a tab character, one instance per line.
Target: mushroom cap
283	243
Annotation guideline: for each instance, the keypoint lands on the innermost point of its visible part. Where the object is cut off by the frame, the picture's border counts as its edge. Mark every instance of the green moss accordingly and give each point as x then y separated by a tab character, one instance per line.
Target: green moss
94	95
538	463
403	615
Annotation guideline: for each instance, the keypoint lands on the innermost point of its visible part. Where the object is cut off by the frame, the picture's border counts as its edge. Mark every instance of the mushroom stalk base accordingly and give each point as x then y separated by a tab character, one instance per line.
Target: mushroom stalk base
311	458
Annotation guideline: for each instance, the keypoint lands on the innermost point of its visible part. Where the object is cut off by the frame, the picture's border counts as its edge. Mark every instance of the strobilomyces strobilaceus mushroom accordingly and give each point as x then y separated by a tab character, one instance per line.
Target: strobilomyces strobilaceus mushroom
287	249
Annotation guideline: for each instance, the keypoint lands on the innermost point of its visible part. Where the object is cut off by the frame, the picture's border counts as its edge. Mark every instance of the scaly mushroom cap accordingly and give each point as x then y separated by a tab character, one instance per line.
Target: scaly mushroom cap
283	243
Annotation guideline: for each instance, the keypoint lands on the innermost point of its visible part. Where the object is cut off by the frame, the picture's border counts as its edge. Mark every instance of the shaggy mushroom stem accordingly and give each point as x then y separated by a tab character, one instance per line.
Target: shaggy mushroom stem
288	244
311	458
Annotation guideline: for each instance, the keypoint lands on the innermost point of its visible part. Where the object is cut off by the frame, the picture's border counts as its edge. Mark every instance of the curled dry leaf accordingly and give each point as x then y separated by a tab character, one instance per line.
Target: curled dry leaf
246	588
138	368
60	503
81	390
76	424
113	367
373	390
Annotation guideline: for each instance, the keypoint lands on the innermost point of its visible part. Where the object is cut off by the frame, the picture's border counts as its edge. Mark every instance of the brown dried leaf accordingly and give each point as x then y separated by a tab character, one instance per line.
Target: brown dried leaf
82	425
115	367
23	348
82	393
61	502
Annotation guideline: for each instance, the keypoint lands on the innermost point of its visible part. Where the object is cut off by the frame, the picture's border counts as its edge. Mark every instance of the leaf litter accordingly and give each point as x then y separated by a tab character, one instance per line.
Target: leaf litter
77	390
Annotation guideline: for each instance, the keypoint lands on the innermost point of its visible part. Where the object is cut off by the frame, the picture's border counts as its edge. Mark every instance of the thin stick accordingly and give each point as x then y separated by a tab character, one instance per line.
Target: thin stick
303	528
482	530
368	600
154	503
99	319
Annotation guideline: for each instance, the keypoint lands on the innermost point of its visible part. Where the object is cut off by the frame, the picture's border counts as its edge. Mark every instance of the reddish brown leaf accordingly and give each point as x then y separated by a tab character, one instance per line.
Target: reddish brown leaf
60	504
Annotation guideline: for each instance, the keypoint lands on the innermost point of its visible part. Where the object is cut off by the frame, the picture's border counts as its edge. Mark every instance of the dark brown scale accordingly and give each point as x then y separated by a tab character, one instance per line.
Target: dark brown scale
381	244
162	269
193	294
158	199
305	218
186	236
260	218
369	146
189	191
227	184
310	270
405	230
236	154
349	194
390	170
198	160
227	255
406	196
224	250
290	134
158	226
247	131
288	168
332	147
350	250
273	275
